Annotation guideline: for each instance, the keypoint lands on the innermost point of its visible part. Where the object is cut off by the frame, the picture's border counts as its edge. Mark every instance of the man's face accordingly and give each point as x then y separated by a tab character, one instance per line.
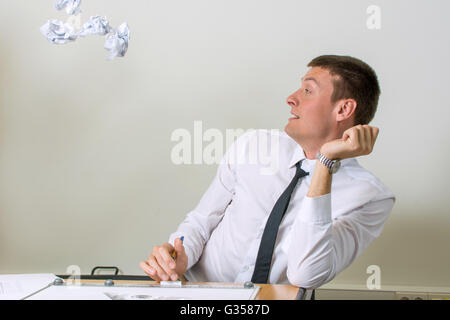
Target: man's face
311	107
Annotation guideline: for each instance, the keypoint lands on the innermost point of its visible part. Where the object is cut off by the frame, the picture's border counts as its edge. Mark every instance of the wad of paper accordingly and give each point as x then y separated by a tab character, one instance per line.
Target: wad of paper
59	32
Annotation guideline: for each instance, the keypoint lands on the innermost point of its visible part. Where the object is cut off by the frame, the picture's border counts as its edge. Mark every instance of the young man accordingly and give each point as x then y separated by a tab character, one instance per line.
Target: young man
327	208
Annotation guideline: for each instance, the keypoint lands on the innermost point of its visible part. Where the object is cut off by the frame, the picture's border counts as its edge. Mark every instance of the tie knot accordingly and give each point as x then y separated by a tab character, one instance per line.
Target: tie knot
300	172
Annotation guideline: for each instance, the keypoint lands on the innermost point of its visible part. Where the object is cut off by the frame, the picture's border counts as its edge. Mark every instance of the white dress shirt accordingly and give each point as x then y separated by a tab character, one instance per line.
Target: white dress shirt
317	238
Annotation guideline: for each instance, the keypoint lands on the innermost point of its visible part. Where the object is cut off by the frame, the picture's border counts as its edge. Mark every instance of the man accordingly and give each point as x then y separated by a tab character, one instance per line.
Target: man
327	215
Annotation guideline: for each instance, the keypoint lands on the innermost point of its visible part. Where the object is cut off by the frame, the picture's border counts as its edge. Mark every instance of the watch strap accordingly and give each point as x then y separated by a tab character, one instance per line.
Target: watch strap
326	162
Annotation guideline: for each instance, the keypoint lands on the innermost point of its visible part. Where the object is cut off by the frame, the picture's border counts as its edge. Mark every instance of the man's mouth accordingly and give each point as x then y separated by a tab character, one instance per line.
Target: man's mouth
294	116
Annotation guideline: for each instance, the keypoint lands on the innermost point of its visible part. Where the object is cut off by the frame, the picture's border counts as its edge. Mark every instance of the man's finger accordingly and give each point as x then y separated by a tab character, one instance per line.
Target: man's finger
149	270
375	132
368	138
361	138
353	137
167	257
170	262
160	273
166	262
179	248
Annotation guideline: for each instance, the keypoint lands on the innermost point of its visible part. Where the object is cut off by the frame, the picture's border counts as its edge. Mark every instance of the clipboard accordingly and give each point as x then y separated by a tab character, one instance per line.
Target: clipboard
109	289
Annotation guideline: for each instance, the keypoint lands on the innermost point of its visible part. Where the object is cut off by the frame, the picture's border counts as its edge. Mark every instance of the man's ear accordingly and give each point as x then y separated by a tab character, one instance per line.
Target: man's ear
345	109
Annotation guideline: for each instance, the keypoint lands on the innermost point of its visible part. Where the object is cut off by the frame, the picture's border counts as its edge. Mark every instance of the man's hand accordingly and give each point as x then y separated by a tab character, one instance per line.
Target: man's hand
160	265
356	141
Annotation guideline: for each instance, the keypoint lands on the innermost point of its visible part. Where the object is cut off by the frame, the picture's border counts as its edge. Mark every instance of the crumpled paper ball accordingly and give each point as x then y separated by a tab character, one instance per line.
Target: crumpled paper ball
58	32
117	41
72	7
95	25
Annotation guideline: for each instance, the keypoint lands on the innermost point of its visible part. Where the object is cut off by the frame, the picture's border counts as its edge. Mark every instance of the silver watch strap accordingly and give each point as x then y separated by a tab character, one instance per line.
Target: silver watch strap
327	162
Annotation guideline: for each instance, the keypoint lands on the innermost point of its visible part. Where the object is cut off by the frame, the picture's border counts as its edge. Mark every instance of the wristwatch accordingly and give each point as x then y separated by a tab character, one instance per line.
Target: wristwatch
332	165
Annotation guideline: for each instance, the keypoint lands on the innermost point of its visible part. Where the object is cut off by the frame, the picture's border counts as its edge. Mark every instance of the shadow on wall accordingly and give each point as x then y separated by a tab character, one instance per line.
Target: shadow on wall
411	251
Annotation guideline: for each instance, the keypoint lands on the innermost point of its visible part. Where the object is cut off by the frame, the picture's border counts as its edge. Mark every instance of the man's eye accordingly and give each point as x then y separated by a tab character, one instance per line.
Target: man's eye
307	91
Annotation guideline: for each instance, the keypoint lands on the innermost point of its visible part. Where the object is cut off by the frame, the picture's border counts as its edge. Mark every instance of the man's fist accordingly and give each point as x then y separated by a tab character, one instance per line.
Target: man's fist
356	141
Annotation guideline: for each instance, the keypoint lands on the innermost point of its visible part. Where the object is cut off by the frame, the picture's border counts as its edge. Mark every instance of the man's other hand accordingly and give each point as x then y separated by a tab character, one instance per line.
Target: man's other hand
161	266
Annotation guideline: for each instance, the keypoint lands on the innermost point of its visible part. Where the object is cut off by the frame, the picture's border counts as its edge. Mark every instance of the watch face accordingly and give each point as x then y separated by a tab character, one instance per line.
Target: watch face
335	166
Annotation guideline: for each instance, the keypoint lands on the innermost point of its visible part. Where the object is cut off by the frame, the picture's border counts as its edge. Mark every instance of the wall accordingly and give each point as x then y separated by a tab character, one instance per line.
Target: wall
86	175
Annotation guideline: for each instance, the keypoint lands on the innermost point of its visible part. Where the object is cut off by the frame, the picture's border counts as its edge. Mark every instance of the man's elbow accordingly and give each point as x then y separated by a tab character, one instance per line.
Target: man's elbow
309	278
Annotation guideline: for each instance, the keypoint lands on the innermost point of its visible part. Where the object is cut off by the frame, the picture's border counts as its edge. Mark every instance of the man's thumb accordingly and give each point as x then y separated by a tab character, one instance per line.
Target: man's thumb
179	248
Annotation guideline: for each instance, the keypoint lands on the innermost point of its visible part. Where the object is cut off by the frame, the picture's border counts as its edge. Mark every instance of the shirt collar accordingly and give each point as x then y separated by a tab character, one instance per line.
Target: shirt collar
297	155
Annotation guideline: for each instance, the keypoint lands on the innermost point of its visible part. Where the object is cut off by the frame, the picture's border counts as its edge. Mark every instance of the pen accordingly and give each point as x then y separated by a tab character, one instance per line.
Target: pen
174	253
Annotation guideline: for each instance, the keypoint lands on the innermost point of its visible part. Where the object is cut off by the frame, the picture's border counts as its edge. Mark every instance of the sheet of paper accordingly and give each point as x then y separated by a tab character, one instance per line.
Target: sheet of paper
18	286
87	292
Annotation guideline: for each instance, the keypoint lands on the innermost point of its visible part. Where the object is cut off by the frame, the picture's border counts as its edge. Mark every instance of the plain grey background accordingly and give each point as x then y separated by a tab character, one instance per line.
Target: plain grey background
86	176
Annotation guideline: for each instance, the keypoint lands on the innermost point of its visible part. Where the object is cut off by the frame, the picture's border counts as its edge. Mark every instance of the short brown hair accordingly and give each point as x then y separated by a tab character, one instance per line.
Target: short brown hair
356	80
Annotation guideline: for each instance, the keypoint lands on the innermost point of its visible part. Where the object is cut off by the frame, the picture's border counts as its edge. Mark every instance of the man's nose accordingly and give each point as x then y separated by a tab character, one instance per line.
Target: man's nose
292	101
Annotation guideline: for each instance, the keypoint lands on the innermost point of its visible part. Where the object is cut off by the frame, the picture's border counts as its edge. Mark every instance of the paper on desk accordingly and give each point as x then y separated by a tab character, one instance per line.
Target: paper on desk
127	296
18	286
123	292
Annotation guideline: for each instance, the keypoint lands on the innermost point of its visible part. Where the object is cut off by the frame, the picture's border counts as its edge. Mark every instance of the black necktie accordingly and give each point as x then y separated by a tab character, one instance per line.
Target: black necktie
264	258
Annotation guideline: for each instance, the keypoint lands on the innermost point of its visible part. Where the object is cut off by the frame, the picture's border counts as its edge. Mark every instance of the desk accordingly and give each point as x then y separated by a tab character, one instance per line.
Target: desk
266	292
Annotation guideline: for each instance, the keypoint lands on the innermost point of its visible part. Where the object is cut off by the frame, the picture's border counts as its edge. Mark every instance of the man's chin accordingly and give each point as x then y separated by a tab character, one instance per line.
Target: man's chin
291	132
289	127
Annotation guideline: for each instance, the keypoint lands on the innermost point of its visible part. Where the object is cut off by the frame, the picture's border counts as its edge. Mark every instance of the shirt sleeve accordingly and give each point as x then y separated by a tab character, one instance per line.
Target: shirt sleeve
320	247
200	222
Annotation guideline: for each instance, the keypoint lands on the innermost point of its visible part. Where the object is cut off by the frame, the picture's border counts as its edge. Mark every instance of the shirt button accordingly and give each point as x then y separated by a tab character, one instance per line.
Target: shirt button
245	268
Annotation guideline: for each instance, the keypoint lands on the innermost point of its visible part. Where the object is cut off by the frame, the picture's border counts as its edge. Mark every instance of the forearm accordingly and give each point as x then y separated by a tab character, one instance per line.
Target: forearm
308	267
320	182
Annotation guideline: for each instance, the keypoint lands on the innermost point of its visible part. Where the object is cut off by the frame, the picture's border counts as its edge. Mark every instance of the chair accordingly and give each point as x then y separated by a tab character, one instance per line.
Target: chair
305	294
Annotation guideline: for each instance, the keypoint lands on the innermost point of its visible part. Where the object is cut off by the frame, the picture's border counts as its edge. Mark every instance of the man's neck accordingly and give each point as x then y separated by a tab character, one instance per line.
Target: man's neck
310	148
310	152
